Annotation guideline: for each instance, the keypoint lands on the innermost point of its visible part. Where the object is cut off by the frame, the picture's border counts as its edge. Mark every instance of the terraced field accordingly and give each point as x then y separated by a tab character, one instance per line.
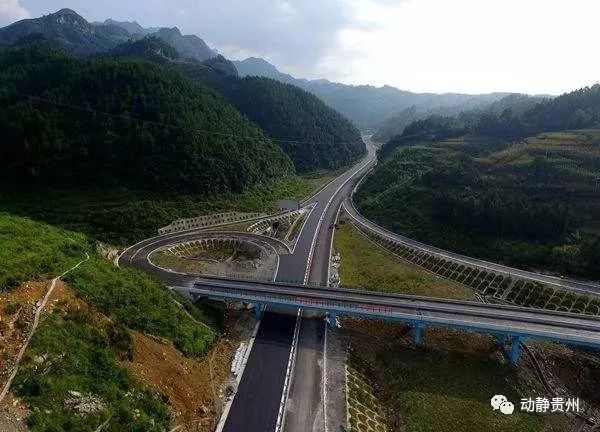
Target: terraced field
570	146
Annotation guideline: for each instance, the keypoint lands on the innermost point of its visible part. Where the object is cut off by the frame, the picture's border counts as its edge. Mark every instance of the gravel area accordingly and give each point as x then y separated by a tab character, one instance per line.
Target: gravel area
336	382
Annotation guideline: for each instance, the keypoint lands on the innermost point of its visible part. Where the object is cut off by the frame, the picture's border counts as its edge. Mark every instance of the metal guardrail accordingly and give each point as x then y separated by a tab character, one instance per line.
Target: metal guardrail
510	320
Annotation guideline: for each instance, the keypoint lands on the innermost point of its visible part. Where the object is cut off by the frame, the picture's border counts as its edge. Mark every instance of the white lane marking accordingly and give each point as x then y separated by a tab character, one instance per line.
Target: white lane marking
292	359
337	216
314	240
229	403
288	374
313	206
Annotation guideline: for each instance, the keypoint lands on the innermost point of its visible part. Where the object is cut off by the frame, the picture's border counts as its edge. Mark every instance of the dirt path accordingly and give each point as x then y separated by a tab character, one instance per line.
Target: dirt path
36	321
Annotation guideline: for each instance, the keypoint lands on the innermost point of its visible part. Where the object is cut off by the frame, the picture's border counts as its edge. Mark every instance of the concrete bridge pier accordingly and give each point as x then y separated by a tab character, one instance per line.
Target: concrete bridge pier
258	307
333	319
417	333
515	347
502	339
515	350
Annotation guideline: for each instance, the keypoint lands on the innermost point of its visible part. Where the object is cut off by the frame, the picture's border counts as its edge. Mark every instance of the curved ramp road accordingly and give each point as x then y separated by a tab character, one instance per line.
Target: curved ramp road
281	385
585	287
259	404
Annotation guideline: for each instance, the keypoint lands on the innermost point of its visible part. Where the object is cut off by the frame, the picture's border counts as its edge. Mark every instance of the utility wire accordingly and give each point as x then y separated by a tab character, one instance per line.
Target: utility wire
152	122
168	125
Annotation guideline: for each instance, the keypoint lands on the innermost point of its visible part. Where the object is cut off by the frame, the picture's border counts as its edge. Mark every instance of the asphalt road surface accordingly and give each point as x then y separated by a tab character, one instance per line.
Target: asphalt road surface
256	404
264	375
304	407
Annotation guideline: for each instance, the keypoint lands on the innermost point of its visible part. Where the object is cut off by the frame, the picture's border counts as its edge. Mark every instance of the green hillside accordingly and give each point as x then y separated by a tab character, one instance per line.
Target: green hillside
314	135
188	138
532	204
77	348
394	126
510	119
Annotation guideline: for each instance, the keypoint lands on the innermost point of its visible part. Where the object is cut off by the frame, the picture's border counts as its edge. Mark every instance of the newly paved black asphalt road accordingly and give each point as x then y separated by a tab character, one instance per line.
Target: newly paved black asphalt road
264	375
256	404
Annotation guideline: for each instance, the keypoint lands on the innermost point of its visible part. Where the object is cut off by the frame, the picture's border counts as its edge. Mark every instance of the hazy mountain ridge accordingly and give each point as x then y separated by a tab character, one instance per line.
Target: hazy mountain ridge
131	26
150	48
395	125
285	112
368	106
79	36
188	46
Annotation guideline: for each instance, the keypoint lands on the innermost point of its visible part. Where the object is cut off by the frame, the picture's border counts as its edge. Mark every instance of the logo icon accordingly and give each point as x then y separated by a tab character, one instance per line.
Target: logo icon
507	408
497	401
500	402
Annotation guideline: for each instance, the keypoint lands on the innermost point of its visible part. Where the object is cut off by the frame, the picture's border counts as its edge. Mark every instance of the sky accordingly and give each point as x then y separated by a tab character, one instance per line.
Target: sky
468	46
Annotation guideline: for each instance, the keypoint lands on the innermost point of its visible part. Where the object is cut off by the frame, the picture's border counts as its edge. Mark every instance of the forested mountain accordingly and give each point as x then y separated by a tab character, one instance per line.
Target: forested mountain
188	46
530	205
221	65
312	134
188	137
515	184
253	66
575	110
367	106
315	135
69	29
395	125
81	37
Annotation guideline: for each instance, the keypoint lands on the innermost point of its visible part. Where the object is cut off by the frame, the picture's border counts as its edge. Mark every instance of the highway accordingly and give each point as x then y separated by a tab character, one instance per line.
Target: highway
282	381
265	376
543	324
259	403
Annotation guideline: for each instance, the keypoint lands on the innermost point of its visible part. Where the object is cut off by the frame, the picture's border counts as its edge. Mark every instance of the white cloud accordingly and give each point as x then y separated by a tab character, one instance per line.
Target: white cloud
11	11
534	46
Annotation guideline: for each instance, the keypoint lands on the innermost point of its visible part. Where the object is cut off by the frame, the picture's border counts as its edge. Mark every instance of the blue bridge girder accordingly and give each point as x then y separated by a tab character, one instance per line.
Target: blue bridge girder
506	322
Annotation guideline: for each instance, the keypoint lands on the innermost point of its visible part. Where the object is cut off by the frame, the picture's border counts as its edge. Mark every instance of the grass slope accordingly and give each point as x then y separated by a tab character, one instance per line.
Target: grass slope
451	390
76	349
444	386
73	354
377	269
30	250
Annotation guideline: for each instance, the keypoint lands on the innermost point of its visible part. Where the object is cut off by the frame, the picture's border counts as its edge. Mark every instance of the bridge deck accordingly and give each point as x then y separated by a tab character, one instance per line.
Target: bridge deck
418	311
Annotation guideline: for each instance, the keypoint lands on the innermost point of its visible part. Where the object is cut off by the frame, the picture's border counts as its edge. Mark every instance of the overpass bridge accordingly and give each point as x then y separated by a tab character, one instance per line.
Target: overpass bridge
509	323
